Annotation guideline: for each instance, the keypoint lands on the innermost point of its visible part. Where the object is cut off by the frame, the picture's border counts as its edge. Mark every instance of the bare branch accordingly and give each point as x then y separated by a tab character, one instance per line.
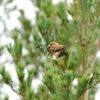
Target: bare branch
94	56
14	90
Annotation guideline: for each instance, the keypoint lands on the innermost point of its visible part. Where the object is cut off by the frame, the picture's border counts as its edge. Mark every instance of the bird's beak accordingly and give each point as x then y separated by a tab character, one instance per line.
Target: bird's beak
48	46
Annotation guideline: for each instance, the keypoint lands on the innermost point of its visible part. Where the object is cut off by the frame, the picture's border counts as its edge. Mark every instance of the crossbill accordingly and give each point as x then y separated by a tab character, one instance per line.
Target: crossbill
58	50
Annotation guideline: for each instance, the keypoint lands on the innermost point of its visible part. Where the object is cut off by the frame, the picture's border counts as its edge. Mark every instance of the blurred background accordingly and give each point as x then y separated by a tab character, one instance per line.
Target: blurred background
19	20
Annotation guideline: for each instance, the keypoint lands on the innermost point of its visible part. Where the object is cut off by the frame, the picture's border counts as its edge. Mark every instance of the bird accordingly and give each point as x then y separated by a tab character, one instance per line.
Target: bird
57	49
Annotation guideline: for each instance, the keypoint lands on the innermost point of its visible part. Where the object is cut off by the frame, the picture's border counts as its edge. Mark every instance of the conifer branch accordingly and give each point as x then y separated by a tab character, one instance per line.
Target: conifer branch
85	96
94	56
14	90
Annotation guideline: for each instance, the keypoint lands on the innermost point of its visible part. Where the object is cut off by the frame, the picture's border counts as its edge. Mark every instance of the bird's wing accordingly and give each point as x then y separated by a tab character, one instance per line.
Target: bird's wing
59	48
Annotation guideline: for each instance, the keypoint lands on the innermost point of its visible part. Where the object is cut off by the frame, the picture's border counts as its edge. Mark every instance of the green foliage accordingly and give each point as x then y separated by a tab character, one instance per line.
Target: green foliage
5	76
47	7
25	22
62	11
67	56
1	1
69	77
20	70
96	72
45	25
83	85
1	48
40	43
79	35
16	49
6	98
54	81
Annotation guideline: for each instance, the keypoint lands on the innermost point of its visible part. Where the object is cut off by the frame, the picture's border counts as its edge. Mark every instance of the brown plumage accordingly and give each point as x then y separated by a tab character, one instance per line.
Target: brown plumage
57	49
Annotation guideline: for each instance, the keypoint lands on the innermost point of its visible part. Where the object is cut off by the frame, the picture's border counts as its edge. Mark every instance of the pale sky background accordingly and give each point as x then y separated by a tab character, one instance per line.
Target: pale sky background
12	23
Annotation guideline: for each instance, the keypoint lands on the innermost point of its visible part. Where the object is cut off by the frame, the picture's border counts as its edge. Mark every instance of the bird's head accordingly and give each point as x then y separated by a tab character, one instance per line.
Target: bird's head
52	44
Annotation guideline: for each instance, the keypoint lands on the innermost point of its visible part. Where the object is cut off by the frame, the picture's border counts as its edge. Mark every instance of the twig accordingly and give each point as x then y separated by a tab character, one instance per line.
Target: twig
85	96
94	56
14	90
66	1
